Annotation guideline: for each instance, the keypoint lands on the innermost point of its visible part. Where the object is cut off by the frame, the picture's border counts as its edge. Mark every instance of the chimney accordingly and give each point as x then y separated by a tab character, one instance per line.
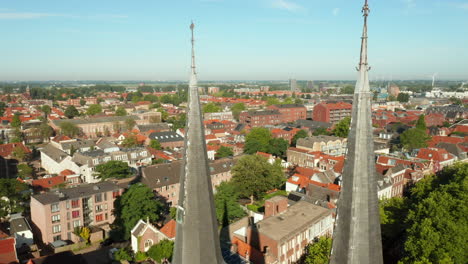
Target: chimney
275	206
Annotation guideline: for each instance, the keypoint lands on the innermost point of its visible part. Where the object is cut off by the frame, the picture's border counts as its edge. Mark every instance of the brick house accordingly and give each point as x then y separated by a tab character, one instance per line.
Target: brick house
330	145
55	214
164	178
440	157
290	112
284	232
286	133
144	235
260	118
331	112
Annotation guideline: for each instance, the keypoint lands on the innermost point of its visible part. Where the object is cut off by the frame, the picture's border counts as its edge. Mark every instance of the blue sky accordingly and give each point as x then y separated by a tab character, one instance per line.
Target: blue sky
235	39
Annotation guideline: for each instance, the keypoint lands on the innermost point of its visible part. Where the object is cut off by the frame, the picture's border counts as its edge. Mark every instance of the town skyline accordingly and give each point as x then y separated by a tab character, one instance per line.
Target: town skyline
255	40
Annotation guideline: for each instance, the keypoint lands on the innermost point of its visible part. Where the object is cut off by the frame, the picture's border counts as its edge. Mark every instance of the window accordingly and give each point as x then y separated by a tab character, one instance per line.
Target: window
54	207
99	208
55	218
106	216
75	214
105	196
68	226
98	197
75	203
115	194
148	244
56	229
59	237
68	204
76	223
99	218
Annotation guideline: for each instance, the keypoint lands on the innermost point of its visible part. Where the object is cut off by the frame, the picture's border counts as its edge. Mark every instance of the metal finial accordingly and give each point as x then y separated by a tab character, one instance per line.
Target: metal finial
192	26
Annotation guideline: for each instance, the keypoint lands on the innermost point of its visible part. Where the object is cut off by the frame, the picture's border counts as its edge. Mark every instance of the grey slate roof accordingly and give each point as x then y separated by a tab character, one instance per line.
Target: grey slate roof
75	192
310	141
54	153
264	112
169	136
290	106
156	126
19	225
313	124
78	144
96	120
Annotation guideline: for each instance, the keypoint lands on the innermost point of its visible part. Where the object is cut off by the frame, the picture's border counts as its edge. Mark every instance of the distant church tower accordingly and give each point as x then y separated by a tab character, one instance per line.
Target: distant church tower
357	237
197	239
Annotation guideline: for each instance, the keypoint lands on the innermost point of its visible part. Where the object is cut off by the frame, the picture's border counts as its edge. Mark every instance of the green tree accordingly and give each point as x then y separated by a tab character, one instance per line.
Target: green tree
211	108
224	152
318	252
173	212
17	136
414	138
14	190
120	111
161	251
69	129
277	147
24	171
299	134
46	110
421	123
113	169
85	234
257	140
19	153
94	109
164	114
272	101
154	143
403	97
2	108
253	176
348	89
320	131
342	128
436	221
82	102
237	109
130	123
226	199
140	256
45	131
71	112
138	202
16	122
123	254
130	141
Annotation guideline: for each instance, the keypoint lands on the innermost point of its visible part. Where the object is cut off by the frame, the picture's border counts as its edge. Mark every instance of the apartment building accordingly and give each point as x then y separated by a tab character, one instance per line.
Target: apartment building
56	214
283	234
331	112
260	118
334	146
290	112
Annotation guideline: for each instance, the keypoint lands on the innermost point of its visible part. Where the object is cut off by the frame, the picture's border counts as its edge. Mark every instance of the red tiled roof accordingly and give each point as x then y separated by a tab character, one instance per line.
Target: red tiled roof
8	251
263	154
308	172
48	183
169	229
60	138
7	149
436	154
438	139
66	172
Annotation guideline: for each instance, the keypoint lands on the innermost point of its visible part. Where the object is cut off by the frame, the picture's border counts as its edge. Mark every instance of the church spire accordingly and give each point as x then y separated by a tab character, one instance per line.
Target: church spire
357	237
197	239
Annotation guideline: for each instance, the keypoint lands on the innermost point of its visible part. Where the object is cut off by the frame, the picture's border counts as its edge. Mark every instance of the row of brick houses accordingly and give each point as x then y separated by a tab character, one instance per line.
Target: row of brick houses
164	178
331	112
274	115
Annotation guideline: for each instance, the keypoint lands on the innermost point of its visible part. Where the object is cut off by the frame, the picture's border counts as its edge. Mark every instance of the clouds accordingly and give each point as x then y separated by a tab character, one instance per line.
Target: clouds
286	5
335	11
26	15
36	15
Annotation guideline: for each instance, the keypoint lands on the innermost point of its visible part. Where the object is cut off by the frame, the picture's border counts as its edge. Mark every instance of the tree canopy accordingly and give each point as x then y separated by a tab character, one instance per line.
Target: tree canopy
15	121
320	131
253	176
130	123
300	134
13	190
224	152
120	111
69	129
226	202
403	97
318	252
257	140
211	108
24	171
237	109
154	143
71	112
130	141
113	169
94	109
342	128
161	251
414	138
46	110
430	225
421	123
138	202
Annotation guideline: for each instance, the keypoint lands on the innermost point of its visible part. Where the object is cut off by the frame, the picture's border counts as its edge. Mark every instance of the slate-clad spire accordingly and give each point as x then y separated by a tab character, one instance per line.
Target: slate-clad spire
357	237
197	239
